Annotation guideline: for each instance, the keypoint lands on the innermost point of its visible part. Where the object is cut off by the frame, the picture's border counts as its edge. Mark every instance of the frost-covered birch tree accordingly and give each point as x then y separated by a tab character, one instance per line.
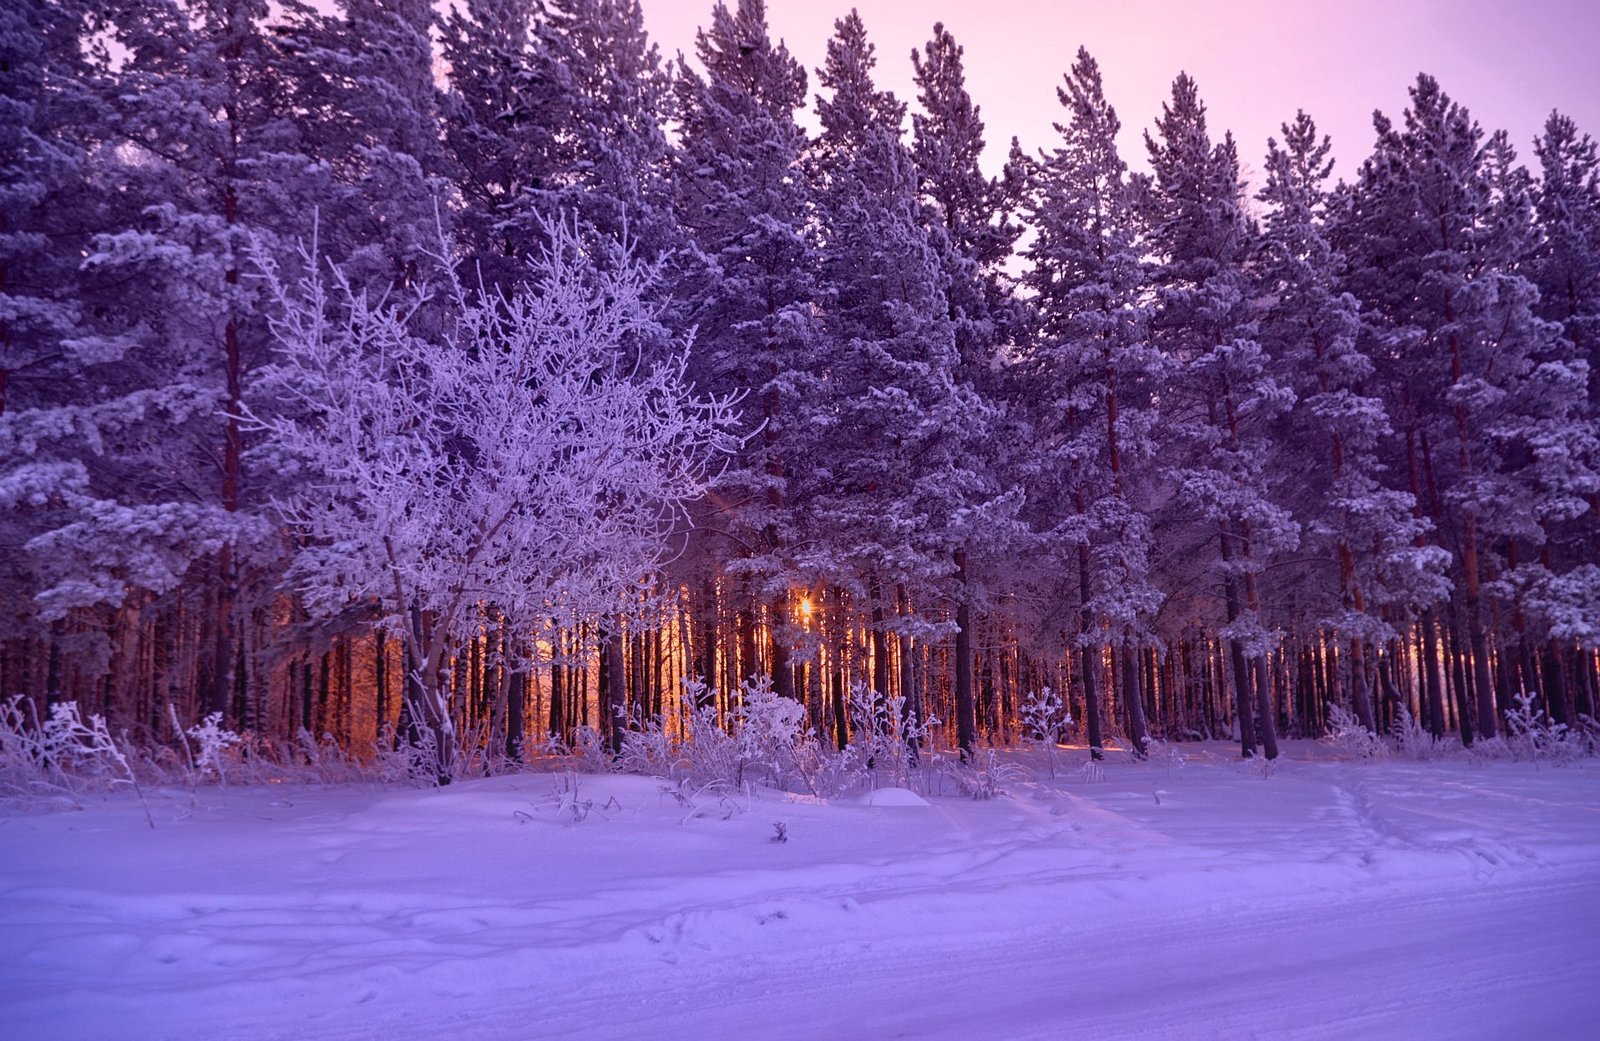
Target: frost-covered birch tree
516	458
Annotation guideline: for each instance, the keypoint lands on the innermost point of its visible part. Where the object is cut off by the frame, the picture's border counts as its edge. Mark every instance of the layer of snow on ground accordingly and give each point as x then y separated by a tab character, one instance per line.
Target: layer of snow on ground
1327	900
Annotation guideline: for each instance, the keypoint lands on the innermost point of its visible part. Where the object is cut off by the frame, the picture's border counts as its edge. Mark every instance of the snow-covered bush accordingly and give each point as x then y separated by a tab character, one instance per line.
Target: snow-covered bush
64	753
1413	739
214	741
589	749
764	743
1164	754
1532	735
985	776
647	749
889	742
827	773
768	727
1348	737
1044	719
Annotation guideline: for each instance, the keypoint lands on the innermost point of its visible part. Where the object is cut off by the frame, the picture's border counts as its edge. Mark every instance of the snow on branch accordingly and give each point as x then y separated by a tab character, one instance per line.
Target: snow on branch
461	449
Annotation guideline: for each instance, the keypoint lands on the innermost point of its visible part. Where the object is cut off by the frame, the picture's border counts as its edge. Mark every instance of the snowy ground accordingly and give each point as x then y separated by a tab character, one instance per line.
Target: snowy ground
1330	900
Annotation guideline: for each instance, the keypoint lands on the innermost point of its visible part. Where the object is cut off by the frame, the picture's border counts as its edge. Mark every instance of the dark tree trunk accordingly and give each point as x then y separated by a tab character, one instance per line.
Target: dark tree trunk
1089	654
1241	668
966	707
613	703
1430	674
1133	701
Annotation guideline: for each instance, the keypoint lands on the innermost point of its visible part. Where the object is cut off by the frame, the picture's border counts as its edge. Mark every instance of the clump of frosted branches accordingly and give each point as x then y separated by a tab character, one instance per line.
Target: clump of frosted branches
64	753
889	741
1413	739
1044	719
765	742
986	776
1532	735
214	742
1348	737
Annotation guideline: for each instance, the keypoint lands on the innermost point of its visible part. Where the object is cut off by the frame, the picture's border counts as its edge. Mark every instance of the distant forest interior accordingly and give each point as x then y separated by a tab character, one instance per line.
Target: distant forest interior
480	378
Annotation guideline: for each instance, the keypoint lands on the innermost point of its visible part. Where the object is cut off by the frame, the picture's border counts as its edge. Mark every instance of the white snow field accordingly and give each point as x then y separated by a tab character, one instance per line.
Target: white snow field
1369	900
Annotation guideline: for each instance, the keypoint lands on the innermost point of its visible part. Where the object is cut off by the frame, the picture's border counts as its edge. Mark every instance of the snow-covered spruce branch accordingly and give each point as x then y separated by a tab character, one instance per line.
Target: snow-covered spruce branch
460	449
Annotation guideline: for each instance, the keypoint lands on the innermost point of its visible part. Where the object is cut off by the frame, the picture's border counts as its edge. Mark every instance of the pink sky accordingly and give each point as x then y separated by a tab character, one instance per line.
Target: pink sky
1256	61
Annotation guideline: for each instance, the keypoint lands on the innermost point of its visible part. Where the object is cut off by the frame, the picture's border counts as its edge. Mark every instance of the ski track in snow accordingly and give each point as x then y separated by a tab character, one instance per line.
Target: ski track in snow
1330	900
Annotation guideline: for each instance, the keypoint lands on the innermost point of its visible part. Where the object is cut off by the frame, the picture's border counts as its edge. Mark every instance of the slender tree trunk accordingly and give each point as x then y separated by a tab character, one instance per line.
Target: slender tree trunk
556	723
613	696
778	648
911	712
708	636
1241	670
880	647
1430	673
966	706
1089	653
1133	701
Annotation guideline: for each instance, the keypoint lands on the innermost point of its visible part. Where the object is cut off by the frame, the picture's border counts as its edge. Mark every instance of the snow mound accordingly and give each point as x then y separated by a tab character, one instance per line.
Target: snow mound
893	797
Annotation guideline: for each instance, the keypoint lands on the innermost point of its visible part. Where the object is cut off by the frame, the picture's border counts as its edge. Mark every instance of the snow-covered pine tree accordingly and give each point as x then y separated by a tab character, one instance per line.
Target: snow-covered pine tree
891	471
744	203
1566	263
1222	395
622	92
972	210
1566	268
1493	399
192	126
968	215
1092	378
502	114
360	80
1326	456
553	106
49	125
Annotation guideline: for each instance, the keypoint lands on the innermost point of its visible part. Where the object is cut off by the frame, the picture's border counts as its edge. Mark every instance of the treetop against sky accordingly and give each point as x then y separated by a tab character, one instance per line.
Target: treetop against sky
1256	61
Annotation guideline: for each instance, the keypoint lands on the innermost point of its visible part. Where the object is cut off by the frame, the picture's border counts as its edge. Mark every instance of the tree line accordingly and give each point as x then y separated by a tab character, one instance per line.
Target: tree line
1209	458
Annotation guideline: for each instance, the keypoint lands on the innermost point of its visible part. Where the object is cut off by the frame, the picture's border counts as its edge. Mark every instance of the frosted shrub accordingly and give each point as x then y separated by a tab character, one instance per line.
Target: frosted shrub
828	774
62	755
647	749
1348	737
395	760
589	748
1044	720
1165	754
767	727
985	776
766	742
214	742
85	749
888	742
708	753
1413	739
762	744
1531	734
